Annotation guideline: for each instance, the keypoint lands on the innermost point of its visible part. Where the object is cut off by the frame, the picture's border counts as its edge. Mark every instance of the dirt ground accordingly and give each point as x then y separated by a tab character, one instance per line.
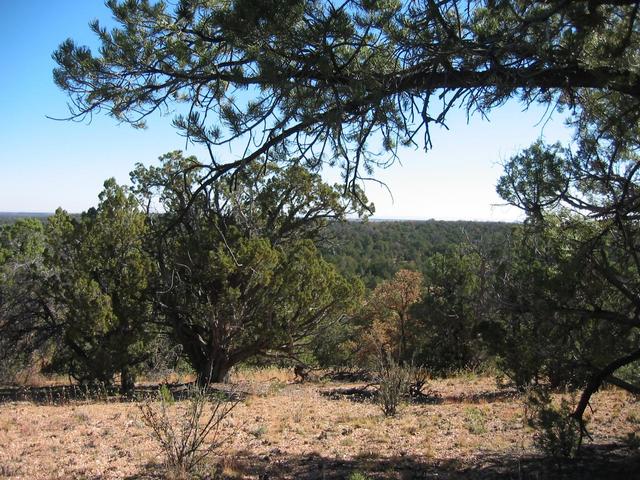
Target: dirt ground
281	429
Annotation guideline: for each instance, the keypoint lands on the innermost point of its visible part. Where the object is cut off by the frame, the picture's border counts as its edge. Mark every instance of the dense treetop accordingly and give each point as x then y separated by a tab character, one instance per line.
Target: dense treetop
374	251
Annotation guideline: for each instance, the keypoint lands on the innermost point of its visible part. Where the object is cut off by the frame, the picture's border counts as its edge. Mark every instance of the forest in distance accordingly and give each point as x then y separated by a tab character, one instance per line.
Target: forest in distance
377	248
218	316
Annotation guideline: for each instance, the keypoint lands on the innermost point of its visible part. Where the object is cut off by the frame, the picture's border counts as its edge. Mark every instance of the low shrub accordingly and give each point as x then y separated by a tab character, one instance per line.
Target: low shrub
557	434
357	476
187	434
475	421
394	381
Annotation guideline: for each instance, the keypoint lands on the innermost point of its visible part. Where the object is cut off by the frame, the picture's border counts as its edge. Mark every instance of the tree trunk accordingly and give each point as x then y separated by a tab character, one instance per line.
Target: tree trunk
596	381
214	370
127	382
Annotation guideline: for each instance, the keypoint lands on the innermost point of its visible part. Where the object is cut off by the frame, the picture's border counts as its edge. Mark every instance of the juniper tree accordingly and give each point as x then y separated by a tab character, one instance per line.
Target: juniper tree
240	274
97	290
583	244
22	246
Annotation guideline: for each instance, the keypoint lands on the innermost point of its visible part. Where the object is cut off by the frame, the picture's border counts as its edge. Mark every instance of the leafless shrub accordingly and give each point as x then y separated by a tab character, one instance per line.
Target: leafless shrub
419	381
188	435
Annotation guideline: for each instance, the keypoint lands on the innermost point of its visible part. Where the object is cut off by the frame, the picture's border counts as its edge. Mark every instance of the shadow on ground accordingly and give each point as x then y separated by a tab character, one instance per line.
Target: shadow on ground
604	462
62	394
361	394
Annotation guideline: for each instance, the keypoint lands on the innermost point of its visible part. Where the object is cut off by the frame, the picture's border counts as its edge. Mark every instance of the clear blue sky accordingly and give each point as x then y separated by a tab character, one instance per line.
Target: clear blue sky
45	163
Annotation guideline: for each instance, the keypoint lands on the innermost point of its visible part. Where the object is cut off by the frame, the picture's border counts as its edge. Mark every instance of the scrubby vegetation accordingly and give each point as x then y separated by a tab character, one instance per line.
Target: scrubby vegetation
247	261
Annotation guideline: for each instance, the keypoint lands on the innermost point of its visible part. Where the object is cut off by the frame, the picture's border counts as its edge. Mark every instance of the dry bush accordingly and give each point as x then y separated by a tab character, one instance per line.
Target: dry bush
419	381
394	381
187	436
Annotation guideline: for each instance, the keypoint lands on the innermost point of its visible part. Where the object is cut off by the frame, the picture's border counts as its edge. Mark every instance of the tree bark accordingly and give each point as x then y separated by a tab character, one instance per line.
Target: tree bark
213	370
596	380
127	382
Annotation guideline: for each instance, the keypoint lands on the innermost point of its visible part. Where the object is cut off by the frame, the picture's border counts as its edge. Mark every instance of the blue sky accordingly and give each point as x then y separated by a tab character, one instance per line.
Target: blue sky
45	163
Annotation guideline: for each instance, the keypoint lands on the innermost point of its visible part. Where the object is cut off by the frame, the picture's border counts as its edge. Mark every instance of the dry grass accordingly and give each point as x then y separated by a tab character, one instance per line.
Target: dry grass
292	430
262	375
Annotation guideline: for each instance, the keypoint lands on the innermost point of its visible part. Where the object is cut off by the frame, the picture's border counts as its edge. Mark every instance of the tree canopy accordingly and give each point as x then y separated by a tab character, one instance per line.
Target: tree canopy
582	250
345	82
240	275
98	289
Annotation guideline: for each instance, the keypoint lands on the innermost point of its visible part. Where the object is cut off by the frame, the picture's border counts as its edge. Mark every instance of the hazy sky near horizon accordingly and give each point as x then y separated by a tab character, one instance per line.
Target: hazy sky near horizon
45	164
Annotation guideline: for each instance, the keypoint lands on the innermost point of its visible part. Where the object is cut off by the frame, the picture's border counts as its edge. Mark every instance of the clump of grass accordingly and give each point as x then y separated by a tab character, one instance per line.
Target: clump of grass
475	420
81	416
189	436
166	397
357	476
259	431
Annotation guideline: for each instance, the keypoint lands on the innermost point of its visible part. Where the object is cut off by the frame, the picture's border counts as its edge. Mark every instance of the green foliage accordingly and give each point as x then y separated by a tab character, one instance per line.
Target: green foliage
375	250
22	245
357	476
11	218
557	433
573	278
457	261
548	290
475	421
535	179
99	276
21	241
344	86
165	395
81	311
455	306
332	346
240	273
